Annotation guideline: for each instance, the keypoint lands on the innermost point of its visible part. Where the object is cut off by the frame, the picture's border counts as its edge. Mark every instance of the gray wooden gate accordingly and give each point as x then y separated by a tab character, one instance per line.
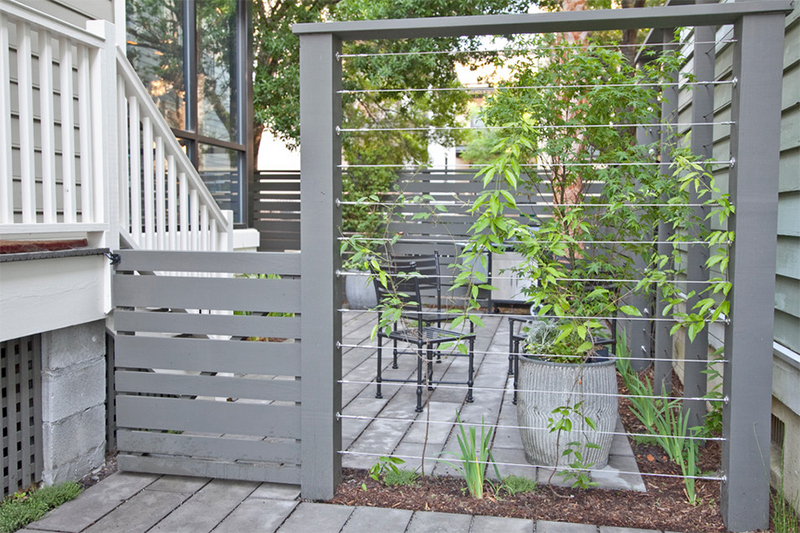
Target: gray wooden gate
208	364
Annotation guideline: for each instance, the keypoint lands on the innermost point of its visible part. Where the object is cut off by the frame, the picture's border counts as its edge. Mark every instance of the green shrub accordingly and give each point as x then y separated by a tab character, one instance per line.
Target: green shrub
22	508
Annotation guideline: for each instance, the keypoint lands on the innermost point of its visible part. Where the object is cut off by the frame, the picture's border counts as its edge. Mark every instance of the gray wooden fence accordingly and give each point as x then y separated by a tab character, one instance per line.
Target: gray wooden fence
208	364
275	210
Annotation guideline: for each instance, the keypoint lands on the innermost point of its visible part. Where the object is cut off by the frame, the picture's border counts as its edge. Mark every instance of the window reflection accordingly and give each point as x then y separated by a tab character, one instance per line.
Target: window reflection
156	50
219	168
216	81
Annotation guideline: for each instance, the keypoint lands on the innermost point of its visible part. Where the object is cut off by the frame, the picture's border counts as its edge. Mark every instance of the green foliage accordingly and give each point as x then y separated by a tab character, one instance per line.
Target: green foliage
22	508
665	421
561	423
474	456
784	517
385	464
513	485
400	477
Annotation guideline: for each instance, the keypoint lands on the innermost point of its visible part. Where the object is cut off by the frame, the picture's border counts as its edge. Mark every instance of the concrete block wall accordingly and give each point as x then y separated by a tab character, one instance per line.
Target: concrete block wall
73	401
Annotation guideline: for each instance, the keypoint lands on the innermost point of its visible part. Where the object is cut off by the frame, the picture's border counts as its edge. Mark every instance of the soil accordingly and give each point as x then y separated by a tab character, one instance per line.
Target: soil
664	506
99	474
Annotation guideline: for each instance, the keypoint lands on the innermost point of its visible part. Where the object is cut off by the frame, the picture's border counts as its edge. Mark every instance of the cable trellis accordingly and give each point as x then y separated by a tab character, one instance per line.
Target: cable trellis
531	87
537	127
494	427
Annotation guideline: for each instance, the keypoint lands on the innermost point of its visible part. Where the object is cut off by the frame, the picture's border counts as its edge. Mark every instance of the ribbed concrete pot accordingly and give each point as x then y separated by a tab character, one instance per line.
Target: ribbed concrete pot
360	292
569	384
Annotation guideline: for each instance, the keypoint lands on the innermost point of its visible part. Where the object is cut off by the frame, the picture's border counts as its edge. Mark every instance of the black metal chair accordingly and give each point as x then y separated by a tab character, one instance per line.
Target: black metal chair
402	287
430	286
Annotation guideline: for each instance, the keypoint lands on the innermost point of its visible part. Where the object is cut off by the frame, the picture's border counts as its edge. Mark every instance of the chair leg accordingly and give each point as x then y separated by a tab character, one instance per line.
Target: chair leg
379	379
511	348
419	381
471	371
516	370
394	355
429	359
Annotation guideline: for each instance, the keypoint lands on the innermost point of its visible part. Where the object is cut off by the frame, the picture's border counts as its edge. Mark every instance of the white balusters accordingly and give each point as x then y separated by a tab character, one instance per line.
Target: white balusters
47	121
67	133
26	132
6	177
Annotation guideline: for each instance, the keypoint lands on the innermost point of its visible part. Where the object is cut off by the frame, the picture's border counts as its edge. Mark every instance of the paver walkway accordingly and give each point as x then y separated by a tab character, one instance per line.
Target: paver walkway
142	503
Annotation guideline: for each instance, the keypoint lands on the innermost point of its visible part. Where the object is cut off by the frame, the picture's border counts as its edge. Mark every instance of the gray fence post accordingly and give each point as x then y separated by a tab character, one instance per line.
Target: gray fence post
663	352
755	145
702	143
320	186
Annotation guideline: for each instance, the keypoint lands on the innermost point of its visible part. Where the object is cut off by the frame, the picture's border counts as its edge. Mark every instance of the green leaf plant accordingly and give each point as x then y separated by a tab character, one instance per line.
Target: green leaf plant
569	148
474	456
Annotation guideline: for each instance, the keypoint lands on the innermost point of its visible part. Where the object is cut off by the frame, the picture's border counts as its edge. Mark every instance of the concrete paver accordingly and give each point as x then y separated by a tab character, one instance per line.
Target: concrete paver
140	513
179	484
494	524
255	514
546	526
372	519
207	508
277	491
316	517
427	522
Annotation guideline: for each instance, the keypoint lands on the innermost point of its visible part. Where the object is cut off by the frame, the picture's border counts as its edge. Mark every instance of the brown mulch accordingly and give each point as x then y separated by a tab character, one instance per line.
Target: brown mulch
664	506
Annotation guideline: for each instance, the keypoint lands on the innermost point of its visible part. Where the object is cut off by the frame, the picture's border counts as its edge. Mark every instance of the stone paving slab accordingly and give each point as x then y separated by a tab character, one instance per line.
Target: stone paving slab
427	522
179	484
140	513
545	526
255	514
277	491
311	517
94	503
372	519
486	524
207	508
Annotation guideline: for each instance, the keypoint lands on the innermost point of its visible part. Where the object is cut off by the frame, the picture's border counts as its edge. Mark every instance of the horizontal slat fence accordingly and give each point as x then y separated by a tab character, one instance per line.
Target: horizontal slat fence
207	364
275	210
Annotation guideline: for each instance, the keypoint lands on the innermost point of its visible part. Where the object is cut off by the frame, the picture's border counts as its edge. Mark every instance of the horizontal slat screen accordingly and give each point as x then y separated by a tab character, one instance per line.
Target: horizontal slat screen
207	364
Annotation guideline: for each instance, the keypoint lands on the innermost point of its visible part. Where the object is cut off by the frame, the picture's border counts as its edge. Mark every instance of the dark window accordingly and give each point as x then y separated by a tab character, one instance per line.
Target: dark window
192	57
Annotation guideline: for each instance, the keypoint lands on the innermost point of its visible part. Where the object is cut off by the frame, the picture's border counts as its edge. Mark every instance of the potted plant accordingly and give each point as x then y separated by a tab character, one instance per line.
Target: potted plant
356	251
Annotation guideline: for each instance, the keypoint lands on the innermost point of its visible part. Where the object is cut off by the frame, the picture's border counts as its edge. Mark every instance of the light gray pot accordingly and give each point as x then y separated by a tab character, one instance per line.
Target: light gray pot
567	384
360	292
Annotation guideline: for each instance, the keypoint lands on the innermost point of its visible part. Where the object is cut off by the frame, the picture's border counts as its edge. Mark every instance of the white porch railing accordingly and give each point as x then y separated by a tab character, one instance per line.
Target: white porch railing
164	204
64	171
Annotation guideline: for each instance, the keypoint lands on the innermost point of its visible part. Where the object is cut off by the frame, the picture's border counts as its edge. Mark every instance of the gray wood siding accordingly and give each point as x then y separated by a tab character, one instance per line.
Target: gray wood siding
787	290
76	12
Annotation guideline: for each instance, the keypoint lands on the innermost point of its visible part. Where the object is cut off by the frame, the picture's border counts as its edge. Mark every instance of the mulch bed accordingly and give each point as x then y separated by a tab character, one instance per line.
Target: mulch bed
664	506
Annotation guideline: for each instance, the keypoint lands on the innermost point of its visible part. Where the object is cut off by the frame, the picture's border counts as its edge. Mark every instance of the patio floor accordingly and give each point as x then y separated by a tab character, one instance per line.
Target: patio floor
390	426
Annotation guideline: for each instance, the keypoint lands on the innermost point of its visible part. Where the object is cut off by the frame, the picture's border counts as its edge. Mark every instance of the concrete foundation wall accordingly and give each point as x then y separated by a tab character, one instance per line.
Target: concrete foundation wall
73	401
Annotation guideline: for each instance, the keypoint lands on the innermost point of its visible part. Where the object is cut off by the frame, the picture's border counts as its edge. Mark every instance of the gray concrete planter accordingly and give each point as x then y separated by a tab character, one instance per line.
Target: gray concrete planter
567	384
360	292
